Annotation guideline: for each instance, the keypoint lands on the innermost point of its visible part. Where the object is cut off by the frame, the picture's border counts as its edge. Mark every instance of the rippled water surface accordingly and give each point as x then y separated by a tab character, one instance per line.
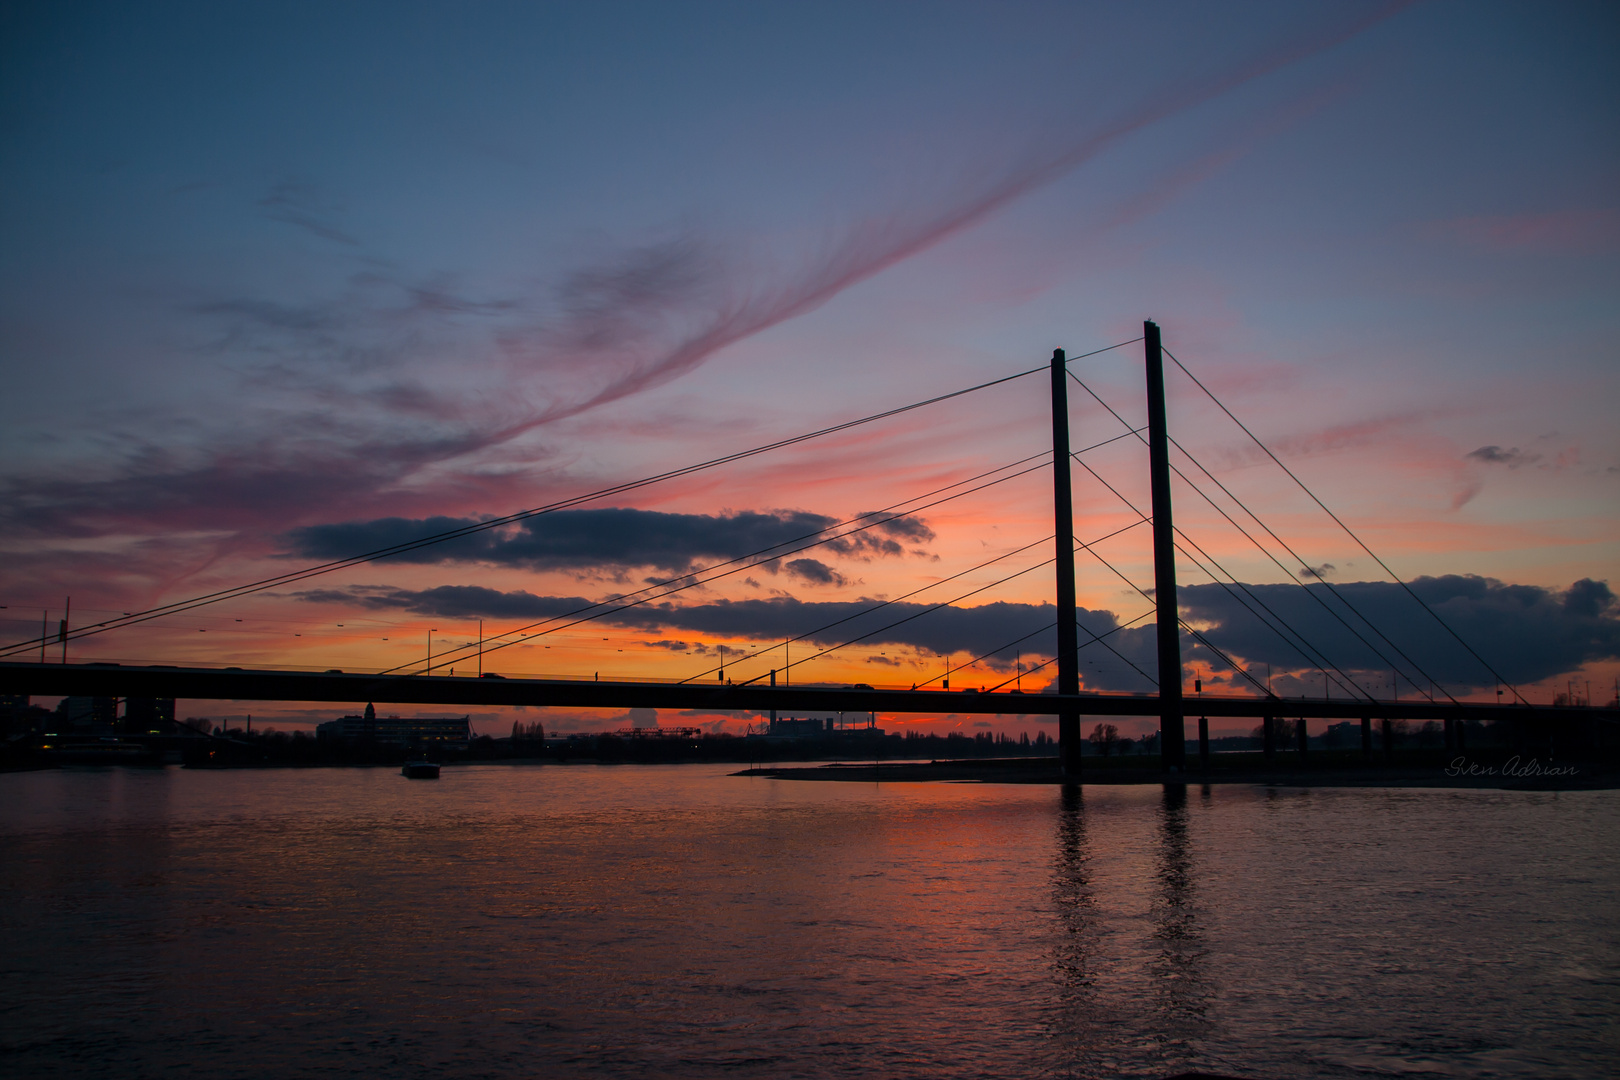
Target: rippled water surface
638	921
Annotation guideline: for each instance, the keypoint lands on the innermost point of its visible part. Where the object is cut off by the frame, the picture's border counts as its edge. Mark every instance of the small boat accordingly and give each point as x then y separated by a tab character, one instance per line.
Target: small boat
103	751
421	770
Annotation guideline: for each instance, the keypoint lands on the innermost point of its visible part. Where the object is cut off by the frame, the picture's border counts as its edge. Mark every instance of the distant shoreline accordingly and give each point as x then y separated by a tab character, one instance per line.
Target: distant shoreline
1525	776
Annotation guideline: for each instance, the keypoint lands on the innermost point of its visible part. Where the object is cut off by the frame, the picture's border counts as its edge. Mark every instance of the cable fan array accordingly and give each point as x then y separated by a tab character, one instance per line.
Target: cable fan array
1202	482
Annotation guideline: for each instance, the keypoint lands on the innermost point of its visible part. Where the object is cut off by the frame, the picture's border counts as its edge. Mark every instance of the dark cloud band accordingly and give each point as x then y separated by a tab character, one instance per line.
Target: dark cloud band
1528	632
614	538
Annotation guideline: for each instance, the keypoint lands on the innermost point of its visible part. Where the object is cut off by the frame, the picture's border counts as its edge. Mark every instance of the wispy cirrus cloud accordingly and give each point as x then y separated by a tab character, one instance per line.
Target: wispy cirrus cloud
302	204
350	399
642	316
615	309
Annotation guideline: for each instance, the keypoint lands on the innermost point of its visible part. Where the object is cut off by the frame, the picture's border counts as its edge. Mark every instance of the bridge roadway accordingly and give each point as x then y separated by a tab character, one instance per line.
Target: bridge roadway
238	684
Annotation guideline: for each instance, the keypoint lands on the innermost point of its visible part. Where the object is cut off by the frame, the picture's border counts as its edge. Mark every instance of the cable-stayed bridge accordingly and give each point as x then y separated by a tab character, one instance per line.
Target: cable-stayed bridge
752	683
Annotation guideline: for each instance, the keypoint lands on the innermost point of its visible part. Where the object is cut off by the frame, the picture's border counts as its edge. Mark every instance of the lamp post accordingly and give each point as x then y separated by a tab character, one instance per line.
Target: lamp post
1203	726
429	669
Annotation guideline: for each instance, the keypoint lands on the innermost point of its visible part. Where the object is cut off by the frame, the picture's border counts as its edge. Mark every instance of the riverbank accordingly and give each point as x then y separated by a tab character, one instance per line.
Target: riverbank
1511	773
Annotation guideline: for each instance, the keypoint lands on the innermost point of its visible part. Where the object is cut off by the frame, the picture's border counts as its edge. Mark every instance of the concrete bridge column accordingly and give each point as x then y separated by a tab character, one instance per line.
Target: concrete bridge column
1366	738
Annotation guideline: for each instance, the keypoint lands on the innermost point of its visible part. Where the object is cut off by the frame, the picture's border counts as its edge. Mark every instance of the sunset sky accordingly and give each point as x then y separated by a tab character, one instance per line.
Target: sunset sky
281	283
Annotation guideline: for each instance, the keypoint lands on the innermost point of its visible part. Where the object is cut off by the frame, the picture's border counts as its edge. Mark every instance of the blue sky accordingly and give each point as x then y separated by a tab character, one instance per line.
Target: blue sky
277	267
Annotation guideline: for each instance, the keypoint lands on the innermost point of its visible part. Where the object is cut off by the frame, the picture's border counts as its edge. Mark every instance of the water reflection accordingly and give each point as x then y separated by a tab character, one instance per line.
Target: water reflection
1073	897
676	921
1179	988
1130	953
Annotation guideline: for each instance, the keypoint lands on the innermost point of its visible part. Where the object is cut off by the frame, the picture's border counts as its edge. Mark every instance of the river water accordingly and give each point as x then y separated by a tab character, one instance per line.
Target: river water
641	920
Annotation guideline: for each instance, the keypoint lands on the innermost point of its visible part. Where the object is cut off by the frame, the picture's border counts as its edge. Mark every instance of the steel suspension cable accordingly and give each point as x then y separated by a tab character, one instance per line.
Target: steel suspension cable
1333	591
337	564
757	557
1266	552
1096	639
1348	531
612	607
909	618
758	652
1091	548
999	648
897	599
1324	664
744	562
877	607
1181	622
1320	660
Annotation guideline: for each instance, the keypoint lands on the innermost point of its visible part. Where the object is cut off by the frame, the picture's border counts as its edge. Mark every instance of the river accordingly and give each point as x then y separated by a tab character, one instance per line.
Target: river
591	921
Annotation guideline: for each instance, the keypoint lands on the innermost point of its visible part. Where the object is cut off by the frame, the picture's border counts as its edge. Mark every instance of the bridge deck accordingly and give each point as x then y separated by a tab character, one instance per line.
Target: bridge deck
276	685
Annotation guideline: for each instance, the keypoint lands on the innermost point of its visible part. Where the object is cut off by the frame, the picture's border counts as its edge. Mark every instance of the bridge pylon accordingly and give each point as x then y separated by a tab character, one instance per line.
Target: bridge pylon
1172	722
1068	634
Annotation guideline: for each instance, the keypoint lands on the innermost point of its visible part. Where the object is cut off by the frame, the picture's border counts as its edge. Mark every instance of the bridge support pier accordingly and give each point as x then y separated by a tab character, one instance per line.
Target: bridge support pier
1366	738
1270	743
1203	743
1389	741
1304	740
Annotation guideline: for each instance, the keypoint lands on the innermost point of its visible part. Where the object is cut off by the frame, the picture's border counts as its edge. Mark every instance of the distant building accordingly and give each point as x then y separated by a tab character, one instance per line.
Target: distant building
450	733
17	716
1347	733
790	728
812	728
148	716
85	716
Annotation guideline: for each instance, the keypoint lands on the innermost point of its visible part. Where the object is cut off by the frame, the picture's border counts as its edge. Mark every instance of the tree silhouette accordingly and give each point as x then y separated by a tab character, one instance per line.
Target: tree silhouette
1104	737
